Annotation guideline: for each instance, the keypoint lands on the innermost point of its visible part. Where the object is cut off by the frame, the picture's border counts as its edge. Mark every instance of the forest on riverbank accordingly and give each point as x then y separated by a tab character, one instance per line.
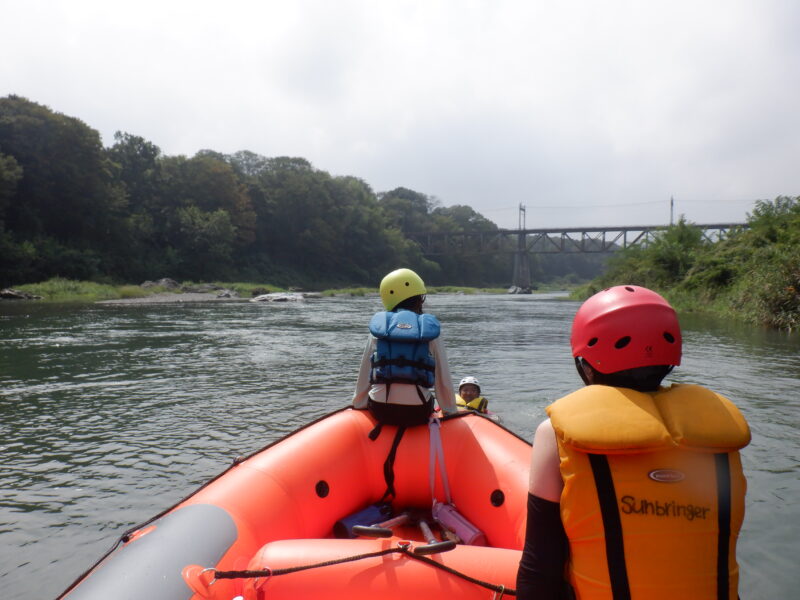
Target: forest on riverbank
753	274
72	208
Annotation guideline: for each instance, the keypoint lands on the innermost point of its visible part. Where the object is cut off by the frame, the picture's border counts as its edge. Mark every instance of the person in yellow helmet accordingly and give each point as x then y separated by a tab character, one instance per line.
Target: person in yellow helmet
404	359
636	489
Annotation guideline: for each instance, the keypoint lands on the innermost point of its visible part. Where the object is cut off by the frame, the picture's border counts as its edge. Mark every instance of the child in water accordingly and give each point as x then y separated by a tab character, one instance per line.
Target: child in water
469	396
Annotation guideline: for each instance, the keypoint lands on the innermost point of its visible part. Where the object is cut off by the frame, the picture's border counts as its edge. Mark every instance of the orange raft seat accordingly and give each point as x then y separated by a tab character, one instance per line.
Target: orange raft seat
465	572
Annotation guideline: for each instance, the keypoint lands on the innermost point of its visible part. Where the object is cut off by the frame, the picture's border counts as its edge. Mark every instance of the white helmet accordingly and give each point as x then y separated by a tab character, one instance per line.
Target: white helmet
471	380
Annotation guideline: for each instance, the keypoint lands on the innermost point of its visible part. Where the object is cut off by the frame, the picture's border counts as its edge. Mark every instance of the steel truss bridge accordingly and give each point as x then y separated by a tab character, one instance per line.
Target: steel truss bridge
556	240
523	242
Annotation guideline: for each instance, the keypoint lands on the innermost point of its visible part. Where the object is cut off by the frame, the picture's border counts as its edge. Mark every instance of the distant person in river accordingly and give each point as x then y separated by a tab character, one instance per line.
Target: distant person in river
636	490
469	396
404	358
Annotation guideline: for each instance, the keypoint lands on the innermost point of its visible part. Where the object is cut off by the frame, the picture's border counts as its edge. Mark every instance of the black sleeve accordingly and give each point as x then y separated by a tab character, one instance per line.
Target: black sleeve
541	569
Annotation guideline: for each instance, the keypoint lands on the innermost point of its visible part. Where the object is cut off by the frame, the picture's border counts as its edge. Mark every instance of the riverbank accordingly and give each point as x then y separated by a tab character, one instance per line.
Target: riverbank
171	298
170	291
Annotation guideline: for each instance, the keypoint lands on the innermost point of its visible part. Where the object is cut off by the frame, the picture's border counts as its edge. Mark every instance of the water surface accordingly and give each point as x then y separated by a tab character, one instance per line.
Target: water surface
111	413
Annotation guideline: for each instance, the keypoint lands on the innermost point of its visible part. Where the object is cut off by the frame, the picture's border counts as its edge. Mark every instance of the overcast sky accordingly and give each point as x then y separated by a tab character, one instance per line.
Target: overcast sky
586	112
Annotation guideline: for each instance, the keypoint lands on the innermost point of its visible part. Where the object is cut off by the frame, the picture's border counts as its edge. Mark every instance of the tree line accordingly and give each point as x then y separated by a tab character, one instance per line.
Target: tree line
71	207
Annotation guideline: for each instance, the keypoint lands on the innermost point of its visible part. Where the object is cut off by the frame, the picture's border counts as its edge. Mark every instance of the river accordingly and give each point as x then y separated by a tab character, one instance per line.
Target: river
110	413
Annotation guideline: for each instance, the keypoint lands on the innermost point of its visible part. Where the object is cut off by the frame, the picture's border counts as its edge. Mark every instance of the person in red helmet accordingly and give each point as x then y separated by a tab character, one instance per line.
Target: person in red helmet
636	489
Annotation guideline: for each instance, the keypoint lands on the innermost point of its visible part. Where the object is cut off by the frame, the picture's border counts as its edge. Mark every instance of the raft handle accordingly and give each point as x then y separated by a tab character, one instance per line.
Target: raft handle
383	529
433	546
372	531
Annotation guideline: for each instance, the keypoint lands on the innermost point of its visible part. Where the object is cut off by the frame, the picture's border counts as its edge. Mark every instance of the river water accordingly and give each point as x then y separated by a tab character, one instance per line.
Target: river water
110	413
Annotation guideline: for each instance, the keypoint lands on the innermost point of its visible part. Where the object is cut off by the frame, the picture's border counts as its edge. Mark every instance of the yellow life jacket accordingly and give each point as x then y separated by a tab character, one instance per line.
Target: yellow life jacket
653	496
479	404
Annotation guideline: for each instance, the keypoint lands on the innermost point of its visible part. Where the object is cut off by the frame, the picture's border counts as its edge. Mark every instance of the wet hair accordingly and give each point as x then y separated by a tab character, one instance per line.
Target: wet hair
414	303
641	379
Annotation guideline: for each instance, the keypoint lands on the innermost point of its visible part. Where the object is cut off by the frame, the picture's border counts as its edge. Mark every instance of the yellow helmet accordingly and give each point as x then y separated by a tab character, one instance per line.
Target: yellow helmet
400	285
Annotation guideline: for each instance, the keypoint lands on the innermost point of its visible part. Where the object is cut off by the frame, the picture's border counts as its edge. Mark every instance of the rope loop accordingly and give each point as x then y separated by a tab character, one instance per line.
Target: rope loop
403	547
206	570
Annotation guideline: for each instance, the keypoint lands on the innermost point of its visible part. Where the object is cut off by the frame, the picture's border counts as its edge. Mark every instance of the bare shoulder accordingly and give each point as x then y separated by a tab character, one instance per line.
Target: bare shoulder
545	429
545	479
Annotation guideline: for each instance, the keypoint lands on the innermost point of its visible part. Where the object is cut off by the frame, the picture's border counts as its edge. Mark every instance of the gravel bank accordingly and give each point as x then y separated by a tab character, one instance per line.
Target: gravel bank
168	298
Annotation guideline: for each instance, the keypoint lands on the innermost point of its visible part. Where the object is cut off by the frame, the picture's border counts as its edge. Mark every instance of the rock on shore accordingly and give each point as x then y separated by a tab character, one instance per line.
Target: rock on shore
279	297
11	294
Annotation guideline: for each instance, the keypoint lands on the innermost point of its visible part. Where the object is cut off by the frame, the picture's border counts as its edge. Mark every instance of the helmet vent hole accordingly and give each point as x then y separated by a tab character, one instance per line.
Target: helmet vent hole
622	342
630	289
592	342
669	337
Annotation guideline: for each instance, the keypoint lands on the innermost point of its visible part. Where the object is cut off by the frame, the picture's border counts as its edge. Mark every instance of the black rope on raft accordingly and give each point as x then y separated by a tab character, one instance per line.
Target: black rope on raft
249	574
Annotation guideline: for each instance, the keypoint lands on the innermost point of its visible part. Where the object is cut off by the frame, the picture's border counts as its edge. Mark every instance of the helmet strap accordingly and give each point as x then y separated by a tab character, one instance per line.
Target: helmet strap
581	365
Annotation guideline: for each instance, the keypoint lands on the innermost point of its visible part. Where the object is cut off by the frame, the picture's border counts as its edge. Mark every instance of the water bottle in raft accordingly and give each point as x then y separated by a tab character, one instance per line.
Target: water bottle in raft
374	513
449	518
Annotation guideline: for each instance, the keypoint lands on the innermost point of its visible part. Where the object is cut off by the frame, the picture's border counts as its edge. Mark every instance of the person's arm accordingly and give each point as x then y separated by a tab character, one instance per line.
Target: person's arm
541	568
443	383
545	476
361	394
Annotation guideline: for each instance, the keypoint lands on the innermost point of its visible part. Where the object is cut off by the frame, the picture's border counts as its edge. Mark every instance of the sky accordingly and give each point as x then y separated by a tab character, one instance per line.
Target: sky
587	113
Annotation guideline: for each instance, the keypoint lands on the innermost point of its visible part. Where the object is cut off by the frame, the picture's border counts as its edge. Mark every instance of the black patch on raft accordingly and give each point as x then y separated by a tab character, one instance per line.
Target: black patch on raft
150	567
322	488
497	498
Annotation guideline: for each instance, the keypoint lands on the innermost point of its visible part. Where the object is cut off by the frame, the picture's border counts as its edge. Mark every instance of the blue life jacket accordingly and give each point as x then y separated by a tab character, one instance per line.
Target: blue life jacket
402	354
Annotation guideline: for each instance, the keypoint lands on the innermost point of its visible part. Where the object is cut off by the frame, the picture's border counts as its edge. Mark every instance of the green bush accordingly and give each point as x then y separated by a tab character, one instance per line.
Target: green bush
752	275
59	289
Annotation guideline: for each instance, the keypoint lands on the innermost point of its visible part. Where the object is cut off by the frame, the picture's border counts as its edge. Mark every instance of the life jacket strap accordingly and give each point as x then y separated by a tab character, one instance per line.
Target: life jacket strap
723	471
388	465
612	525
376	431
402	361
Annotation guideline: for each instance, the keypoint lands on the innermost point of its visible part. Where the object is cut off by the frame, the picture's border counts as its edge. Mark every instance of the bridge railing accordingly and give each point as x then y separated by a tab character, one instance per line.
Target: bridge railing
555	240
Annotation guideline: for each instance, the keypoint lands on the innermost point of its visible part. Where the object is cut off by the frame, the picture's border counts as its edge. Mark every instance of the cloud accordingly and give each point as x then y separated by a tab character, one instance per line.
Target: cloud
489	104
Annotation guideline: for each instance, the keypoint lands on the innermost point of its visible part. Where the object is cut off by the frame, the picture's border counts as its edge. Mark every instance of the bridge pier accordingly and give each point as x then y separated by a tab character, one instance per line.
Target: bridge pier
521	277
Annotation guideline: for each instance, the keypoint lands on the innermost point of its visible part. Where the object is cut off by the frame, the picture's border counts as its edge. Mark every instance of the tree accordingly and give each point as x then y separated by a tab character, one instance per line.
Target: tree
66	210
408	210
10	174
205	240
67	190
248	164
212	184
138	169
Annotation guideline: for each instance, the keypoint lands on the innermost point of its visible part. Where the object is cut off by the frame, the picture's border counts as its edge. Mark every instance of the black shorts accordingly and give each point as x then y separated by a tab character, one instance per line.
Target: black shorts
401	414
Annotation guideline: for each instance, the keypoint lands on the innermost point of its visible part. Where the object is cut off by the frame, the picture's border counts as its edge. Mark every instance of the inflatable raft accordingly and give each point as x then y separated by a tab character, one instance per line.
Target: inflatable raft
302	517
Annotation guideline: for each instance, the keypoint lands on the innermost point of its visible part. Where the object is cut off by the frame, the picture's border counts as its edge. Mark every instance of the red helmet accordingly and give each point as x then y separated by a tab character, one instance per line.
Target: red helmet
625	327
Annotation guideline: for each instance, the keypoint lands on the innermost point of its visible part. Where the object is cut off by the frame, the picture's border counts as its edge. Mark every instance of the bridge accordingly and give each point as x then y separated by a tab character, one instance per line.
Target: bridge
523	242
554	240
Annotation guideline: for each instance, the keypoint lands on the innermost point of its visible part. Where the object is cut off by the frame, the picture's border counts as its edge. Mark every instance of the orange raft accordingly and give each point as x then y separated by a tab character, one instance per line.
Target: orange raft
263	529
